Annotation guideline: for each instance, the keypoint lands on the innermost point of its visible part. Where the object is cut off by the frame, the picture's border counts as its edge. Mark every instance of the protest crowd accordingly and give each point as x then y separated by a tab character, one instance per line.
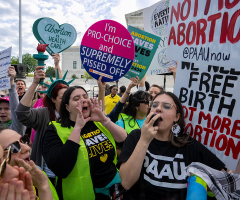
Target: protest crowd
88	148
57	143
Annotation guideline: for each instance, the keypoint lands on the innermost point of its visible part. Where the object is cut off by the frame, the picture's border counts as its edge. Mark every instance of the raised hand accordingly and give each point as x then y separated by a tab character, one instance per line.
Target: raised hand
101	84
96	111
38	177
134	82
56	58
80	121
38	74
11	74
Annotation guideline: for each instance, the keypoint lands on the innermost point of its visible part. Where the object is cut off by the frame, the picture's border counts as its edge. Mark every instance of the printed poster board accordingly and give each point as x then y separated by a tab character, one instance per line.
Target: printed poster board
156	22
59	37
205	36
146	45
107	50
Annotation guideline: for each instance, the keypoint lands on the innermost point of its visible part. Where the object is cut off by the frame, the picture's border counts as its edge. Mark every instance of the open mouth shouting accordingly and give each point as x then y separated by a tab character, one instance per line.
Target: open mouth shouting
27	160
85	109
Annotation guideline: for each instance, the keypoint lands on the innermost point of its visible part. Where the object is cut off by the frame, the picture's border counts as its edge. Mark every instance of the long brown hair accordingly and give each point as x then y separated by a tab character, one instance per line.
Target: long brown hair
182	139
49	103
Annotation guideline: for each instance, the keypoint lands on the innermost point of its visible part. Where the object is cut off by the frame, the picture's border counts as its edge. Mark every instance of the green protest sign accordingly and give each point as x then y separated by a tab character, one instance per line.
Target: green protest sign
59	37
146	45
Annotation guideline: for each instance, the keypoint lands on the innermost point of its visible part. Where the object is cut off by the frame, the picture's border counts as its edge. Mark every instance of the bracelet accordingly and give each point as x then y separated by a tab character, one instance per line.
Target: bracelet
106	122
127	92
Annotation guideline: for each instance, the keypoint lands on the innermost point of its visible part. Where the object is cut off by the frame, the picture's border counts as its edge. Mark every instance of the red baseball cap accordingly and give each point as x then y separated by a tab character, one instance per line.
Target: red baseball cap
4	99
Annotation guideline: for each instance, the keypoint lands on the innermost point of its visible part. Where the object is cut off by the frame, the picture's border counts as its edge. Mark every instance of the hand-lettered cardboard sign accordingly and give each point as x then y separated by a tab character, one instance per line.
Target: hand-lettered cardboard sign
107	50
156	22
146	45
59	37
5	61
211	101
204	32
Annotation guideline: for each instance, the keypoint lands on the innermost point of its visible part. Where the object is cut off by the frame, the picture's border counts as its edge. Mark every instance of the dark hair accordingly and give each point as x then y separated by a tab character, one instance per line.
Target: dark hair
112	87
134	101
64	114
182	138
122	89
158	86
20	80
147	85
49	103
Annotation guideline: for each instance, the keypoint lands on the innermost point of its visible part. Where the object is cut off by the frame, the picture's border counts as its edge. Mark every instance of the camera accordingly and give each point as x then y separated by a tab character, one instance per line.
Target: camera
20	69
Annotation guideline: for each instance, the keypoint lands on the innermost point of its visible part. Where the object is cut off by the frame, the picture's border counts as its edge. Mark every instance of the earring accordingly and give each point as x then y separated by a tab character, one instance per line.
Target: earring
176	129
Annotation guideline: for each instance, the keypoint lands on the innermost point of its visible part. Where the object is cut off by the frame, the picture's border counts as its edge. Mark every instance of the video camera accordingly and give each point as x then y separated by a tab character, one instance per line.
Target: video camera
20	69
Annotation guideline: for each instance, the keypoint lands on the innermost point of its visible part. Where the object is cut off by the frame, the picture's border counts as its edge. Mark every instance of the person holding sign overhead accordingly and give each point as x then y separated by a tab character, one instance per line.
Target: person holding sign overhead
153	159
8	117
112	99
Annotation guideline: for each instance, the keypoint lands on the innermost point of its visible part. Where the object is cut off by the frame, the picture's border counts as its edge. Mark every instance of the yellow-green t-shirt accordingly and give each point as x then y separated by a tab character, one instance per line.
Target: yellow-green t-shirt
110	102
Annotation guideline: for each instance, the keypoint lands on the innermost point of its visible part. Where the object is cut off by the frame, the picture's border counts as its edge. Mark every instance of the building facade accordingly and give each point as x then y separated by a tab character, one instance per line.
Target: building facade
71	61
135	19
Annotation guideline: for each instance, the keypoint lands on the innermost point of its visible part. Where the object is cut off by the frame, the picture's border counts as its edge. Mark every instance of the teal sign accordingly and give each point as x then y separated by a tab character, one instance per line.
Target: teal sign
59	37
146	45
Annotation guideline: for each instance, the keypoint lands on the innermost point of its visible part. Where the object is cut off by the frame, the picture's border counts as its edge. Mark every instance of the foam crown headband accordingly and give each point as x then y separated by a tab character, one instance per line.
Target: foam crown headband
54	83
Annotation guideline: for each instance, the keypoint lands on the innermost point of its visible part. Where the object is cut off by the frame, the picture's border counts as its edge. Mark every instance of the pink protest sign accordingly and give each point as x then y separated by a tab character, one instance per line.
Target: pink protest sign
107	49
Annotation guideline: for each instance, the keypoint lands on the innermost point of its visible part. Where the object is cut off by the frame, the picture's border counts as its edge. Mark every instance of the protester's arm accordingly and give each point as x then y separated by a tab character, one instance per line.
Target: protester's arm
56	58
13	103
141	84
27	98
60	158
118	133
101	91
173	70
131	169
134	82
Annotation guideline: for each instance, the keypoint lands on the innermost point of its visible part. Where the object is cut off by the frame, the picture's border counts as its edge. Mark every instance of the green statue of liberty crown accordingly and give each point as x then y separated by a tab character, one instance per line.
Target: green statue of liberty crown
54	83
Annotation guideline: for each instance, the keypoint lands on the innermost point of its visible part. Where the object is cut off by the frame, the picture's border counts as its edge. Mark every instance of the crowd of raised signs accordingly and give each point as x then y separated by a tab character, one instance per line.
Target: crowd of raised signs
57	143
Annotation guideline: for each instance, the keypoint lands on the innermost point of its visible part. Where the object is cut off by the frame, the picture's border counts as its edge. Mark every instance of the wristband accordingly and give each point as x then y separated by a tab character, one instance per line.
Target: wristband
106	122
127	92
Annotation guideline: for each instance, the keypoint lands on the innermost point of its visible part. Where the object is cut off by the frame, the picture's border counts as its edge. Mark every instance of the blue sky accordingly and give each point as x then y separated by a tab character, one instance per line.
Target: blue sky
79	13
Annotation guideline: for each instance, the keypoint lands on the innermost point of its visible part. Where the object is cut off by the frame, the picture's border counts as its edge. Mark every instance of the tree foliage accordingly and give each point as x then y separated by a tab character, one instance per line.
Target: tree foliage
50	70
87	75
27	60
74	76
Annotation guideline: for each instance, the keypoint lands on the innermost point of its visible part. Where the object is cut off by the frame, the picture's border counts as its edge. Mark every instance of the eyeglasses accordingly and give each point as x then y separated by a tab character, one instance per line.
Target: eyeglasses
5	162
2	95
16	147
165	106
146	101
115	89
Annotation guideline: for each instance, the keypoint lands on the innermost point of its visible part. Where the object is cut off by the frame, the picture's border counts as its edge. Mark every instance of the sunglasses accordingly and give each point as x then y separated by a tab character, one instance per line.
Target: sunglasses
5	162
165	106
146	101
115	89
16	147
